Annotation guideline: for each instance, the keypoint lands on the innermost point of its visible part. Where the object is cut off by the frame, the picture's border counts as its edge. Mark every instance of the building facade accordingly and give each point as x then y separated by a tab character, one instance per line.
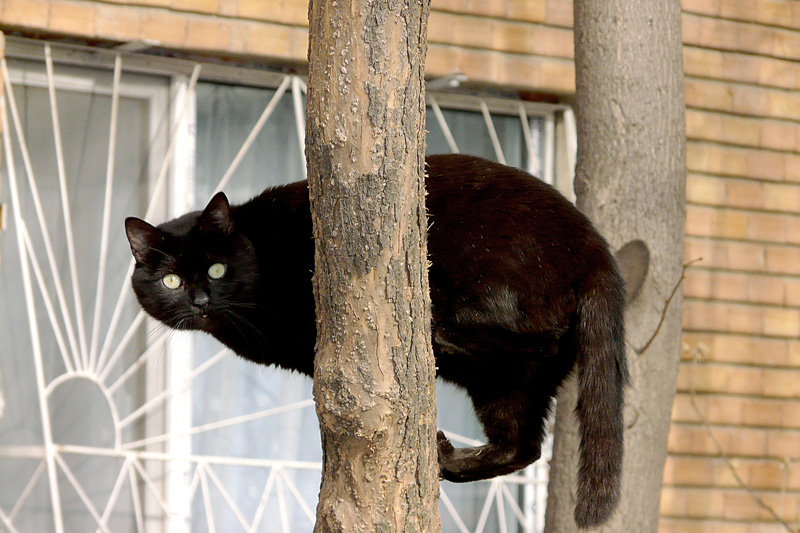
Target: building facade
734	447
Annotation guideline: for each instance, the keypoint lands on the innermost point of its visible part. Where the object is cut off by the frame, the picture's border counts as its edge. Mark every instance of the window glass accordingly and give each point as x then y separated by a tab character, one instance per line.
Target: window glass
225	116
79	412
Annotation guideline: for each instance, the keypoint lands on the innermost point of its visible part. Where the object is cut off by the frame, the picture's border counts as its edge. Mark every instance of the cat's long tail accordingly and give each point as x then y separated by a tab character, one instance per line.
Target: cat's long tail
602	376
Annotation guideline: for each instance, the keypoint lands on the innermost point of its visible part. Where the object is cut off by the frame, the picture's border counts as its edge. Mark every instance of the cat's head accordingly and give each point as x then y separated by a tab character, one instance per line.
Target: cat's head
194	272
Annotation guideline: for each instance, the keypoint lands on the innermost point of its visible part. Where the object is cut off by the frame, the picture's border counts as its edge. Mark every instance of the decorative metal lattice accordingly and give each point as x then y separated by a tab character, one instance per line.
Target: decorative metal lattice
153	476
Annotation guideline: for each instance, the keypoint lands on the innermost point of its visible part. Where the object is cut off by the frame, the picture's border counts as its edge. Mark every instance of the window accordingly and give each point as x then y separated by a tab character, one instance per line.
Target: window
143	428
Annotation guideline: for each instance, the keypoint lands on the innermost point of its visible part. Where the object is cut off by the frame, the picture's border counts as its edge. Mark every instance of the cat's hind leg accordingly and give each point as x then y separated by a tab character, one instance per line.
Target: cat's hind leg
515	429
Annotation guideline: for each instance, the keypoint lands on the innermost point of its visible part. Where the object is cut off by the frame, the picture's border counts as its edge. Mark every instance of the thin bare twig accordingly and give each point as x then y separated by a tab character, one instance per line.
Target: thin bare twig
640	351
724	456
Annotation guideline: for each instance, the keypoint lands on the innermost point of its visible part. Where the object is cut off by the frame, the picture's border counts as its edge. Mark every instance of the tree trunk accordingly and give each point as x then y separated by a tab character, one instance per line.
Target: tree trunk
374	373
630	179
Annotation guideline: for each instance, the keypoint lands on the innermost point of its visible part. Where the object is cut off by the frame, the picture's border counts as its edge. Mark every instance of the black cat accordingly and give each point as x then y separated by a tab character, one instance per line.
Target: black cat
524	290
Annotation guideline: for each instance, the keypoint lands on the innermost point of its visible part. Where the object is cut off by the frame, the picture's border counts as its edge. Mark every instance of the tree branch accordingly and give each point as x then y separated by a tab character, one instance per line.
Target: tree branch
724	456
640	351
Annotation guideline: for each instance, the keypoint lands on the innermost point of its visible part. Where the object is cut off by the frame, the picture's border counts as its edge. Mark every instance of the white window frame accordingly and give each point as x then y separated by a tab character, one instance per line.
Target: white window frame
183	74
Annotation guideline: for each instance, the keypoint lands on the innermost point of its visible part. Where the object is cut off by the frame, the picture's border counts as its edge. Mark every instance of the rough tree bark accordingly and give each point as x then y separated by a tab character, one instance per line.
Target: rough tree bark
374	374
630	181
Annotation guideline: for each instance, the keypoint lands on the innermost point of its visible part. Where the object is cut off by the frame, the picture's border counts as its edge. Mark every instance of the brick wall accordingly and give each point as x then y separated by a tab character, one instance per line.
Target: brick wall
742	310
513	43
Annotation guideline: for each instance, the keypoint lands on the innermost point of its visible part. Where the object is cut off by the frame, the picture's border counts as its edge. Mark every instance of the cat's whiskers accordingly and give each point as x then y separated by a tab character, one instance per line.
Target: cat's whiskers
228	313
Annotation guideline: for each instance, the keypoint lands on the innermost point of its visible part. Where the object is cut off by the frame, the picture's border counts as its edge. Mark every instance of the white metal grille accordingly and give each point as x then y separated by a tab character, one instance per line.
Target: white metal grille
138	376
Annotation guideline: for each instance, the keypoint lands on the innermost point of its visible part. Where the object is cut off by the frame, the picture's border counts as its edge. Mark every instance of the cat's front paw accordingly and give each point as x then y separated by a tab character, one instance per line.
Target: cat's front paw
446	451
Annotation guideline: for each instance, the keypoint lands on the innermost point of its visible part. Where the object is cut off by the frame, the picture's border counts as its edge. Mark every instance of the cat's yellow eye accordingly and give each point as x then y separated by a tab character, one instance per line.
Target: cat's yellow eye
216	271
171	281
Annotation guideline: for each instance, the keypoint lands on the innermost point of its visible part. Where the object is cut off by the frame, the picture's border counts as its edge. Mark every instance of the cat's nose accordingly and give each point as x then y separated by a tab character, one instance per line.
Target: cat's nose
200	301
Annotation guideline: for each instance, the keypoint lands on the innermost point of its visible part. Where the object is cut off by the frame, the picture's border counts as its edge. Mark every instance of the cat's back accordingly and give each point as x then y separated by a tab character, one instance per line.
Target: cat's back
487	205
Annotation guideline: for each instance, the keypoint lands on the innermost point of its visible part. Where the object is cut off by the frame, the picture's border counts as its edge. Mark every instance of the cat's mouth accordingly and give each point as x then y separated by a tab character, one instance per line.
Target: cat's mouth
197	320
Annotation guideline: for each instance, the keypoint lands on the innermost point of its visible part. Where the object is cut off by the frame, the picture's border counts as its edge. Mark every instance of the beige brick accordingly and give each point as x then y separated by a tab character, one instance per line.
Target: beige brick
549	42
786	44
228	8
746	256
704	7
740	67
69	17
693	503
762	413
713	409
723	34
740	505
700	221
558	76
784	105
163	27
705	316
687	471
559	13
765	474
793	168
779	135
256	10
529	10
196	6
704	94
708	252
207	34
155	3
268	39
738	130
26	12
295	12
792	292
291	12
730	348
238	42
448	28
783	259
704	126
767	227
754	101
722	378
701	62
766	165
737	9
744	193
714	159
689	439
776	72
458	6
114	22
492	8
698	284
705	190
765	289
746	319
783	444
741	349
733	224
780	197
682	525
729	286
775	13
791	411
781	383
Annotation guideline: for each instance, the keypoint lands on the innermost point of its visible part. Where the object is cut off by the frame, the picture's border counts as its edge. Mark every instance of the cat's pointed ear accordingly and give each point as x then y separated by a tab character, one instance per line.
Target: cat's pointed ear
217	214
142	237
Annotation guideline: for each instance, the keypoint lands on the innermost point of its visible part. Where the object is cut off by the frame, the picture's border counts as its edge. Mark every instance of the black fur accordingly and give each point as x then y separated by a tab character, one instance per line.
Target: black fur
523	290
